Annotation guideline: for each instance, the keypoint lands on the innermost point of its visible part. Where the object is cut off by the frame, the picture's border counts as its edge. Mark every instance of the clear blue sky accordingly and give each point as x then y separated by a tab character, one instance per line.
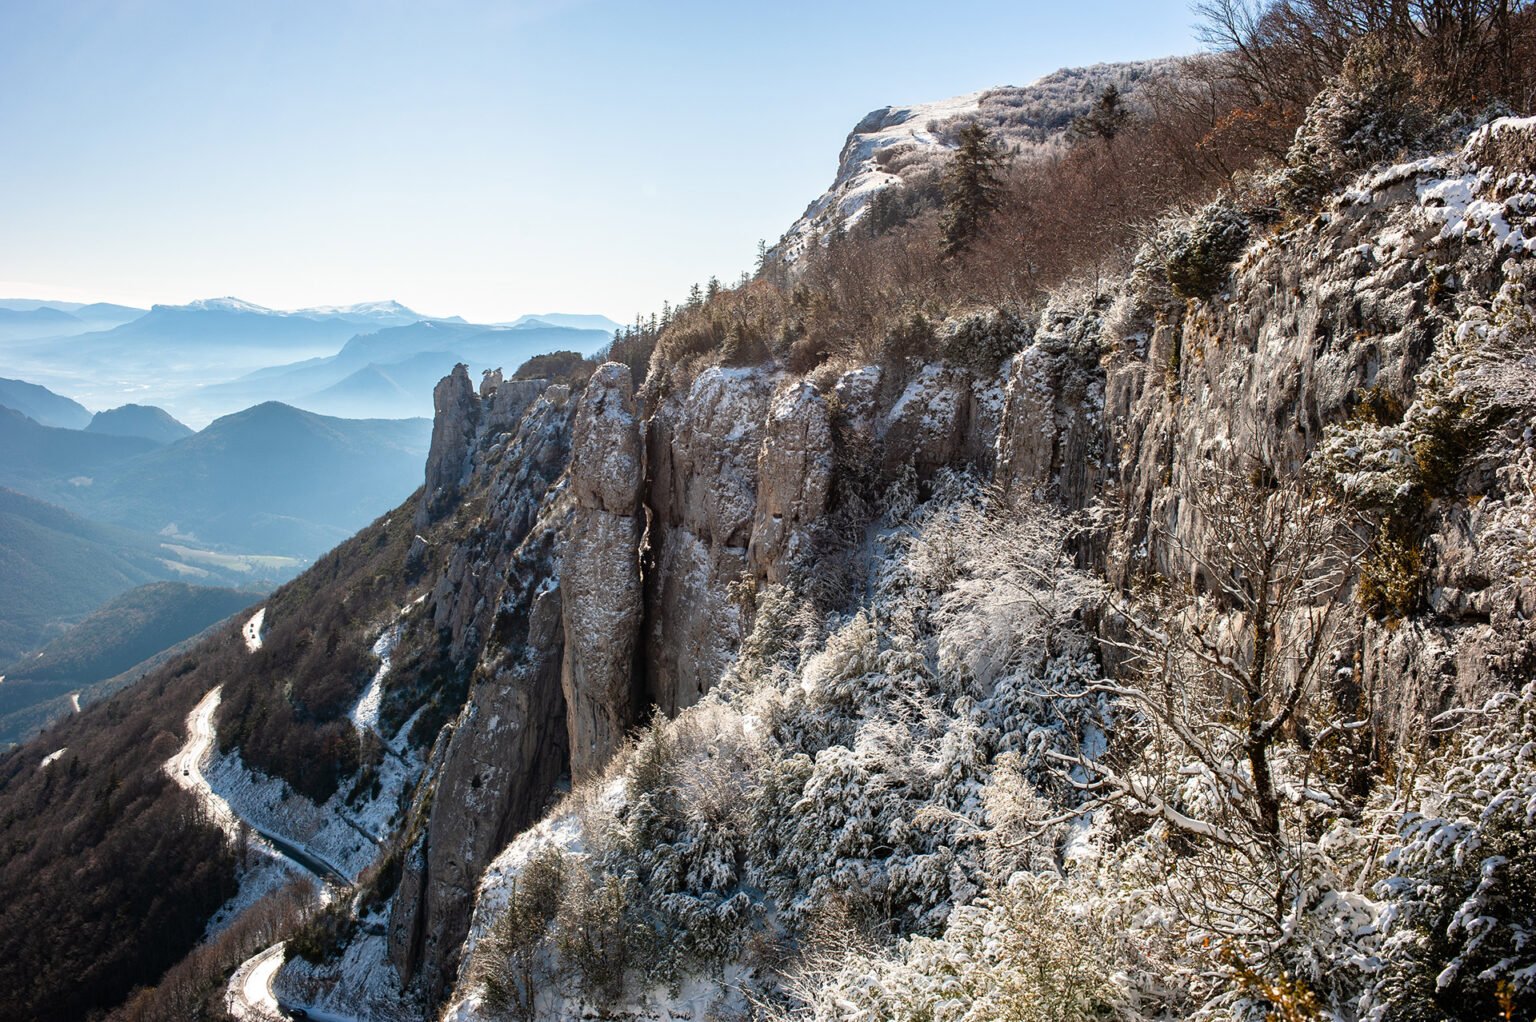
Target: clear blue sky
479	158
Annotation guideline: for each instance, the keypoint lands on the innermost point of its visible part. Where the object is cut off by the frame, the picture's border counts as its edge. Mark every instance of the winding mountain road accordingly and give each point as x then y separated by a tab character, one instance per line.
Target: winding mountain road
251	633
186	769
249	996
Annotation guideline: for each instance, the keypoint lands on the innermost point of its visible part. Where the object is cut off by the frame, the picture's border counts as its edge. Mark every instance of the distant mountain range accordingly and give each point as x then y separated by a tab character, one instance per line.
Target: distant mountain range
42	405
318	418
23	320
53	463
393	371
214	356
271	479
145	421
93	505
106	518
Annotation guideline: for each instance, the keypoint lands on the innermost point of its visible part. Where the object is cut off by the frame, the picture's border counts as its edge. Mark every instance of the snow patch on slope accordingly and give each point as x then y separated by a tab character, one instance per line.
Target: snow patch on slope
361	985
365	715
346	835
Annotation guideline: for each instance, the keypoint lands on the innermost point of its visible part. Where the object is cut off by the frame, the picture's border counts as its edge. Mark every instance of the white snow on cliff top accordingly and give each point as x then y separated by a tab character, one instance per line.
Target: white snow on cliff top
889	142
860	173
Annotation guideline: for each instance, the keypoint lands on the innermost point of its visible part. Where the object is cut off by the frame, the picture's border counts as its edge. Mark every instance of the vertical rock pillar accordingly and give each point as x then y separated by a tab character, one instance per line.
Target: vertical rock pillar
456	413
601	590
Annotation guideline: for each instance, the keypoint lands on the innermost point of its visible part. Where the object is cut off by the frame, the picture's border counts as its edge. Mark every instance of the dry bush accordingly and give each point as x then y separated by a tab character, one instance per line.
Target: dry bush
1222	120
1459	54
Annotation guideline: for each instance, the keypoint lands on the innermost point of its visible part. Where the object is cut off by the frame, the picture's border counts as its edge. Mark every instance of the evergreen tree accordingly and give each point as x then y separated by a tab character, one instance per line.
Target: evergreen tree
973	187
713	290
1108	116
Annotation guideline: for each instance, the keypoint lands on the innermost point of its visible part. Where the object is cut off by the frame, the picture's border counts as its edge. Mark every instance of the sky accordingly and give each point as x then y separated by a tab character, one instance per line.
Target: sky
484	159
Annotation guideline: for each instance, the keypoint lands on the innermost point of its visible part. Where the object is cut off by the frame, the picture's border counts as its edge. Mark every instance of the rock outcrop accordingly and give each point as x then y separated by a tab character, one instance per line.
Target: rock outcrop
794	473
1050	441
455	414
621	544
497	607
1315	321
703	450
602	599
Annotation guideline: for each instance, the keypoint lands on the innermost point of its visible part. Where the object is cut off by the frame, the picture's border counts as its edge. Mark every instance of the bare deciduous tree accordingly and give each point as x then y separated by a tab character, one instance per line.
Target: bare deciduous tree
1214	672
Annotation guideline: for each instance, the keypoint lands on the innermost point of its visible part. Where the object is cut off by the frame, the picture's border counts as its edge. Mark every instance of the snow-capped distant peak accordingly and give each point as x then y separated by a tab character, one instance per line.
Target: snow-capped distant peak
389	307
228	304
387	312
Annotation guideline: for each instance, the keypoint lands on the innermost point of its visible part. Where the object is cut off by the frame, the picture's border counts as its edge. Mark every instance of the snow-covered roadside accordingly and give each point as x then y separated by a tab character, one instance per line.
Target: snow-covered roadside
361	985
249	997
365	715
345	834
252	995
332	832
188	765
252	630
344	837
265	868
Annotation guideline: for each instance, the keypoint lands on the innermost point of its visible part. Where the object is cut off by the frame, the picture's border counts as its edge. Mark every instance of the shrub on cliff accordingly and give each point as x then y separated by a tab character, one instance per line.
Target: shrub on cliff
981	341
1371	112
1198	251
558	367
1460	905
1398	464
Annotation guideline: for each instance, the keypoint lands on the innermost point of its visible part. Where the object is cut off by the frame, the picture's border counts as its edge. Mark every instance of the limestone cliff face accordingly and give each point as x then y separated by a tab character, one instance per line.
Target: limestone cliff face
794	473
1317	319
1051	438
497	607
703	451
618	543
602	592
606	547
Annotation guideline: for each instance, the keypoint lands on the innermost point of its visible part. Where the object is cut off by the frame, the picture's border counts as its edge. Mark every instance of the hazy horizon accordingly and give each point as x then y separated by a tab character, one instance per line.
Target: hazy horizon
480	160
